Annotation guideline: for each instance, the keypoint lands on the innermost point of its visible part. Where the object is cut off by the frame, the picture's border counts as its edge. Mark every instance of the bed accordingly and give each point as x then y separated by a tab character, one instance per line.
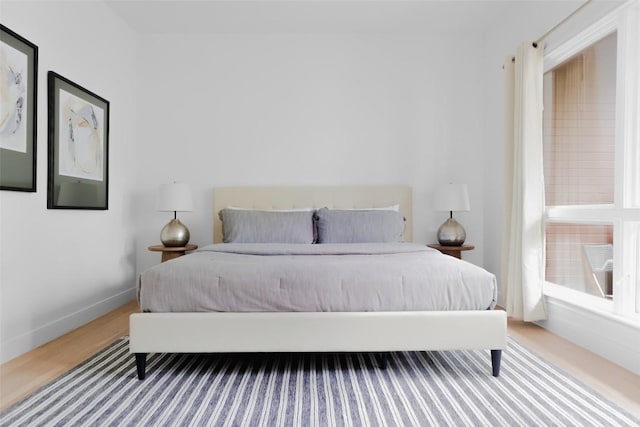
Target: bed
180	324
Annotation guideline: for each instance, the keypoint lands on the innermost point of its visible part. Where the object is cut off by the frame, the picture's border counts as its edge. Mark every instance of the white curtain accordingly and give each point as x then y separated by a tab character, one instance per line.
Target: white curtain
523	245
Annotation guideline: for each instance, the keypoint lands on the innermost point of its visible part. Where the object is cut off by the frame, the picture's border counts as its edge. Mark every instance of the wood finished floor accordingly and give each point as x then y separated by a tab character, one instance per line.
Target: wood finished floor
25	374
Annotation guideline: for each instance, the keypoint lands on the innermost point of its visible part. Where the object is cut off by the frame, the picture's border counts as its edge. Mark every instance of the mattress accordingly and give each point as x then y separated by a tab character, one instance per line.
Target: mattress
315	278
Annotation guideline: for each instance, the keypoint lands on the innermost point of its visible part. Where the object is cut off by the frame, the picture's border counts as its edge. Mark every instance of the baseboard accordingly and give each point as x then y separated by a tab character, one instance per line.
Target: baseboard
615	340
52	330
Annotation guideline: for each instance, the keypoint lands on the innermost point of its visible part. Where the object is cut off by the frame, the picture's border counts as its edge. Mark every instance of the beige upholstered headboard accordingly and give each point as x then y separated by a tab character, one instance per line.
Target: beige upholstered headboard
313	197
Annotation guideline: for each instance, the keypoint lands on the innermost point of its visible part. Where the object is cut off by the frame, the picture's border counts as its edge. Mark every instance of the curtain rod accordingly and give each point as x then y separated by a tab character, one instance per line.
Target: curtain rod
555	27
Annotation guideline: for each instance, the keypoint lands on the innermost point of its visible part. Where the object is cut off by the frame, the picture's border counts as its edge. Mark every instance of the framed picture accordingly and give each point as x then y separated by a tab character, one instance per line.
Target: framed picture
18	96
78	146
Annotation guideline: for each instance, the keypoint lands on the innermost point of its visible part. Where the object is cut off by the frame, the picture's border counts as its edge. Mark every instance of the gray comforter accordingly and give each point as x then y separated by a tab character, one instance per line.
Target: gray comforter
327	277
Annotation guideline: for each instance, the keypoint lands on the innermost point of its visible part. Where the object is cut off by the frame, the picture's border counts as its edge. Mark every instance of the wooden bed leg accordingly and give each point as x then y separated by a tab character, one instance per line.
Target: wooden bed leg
141	365
496	356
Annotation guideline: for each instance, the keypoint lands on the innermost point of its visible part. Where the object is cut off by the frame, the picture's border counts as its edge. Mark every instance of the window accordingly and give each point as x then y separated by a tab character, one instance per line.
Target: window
591	156
579	127
579	165
580	257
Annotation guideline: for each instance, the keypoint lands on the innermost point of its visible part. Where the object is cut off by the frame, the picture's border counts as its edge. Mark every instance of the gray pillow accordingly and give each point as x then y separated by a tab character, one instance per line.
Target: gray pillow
358	226
254	226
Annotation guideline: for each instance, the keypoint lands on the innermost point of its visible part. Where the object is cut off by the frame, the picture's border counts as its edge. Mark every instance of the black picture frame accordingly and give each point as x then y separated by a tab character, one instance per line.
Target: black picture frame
18	125
78	153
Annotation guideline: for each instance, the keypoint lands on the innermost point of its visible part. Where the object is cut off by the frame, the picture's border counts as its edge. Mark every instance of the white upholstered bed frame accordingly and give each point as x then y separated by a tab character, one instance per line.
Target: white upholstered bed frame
316	332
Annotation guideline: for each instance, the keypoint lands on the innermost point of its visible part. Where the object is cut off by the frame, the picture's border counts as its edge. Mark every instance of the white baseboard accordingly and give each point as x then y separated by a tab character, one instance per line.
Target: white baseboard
603	334
52	330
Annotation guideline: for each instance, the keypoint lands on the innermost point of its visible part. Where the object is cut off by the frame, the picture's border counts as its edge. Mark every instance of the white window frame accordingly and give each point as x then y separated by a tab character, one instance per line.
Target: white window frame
624	213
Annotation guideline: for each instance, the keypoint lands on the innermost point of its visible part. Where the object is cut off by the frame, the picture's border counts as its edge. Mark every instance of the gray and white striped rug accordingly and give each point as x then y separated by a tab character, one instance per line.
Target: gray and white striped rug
417	388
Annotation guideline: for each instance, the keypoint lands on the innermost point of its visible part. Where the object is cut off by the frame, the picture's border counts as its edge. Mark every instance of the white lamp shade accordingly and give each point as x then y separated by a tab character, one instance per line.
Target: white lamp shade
174	197
451	197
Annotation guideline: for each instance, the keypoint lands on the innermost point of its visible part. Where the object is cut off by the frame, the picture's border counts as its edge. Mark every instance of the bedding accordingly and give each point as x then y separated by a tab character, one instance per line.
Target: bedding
236	208
359	226
316	278
257	226
384	208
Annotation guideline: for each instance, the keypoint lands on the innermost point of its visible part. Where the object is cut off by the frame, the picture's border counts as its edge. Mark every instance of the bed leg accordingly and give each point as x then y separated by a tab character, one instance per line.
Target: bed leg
141	365
496	356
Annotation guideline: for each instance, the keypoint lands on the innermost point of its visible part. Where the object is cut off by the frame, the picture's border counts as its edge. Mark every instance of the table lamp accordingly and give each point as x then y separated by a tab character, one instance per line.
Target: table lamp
451	197
174	198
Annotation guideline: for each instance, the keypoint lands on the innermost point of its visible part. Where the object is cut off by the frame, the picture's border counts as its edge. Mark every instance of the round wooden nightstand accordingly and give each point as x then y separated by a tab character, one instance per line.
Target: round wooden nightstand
454	251
172	252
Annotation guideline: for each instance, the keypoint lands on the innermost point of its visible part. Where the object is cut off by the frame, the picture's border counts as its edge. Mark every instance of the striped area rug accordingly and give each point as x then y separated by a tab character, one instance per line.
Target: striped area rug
417	388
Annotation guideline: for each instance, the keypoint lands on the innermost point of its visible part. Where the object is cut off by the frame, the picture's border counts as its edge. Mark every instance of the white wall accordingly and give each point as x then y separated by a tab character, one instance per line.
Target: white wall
61	268
310	109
